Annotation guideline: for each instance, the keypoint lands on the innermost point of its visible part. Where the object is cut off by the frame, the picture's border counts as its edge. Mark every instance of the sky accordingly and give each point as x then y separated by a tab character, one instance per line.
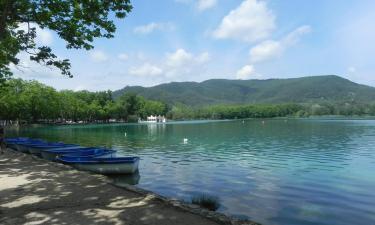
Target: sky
195	40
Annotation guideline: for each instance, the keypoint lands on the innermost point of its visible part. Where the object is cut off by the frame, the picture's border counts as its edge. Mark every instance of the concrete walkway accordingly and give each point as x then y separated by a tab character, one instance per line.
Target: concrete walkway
34	191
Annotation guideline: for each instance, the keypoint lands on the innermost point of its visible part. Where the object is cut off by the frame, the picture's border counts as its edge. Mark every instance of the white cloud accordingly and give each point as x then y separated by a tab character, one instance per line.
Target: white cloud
352	69
183	63
28	69
251	21
43	36
270	49
123	56
205	4
98	56
177	64
183	58
295	35
149	28
146	70
178	58
265	50
203	57
245	72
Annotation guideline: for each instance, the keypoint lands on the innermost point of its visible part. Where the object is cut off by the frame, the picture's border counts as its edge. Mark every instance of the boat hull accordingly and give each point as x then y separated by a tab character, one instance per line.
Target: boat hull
37	150
12	146
116	168
22	148
49	155
54	155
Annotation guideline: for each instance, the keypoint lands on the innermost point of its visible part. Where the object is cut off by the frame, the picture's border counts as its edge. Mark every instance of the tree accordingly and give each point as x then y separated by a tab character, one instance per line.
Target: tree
76	22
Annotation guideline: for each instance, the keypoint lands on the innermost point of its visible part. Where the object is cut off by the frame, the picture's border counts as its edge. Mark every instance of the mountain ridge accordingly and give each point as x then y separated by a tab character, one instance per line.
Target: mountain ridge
310	89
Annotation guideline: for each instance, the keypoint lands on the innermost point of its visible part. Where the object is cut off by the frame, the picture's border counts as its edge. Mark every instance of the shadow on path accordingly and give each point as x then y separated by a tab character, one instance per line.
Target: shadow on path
34	191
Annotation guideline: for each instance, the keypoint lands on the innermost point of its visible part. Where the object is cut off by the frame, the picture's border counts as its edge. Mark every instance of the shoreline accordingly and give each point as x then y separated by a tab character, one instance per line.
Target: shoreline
44	192
332	117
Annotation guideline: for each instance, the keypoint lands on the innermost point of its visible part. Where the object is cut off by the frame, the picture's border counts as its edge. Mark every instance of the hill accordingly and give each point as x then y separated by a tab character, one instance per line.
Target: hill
220	91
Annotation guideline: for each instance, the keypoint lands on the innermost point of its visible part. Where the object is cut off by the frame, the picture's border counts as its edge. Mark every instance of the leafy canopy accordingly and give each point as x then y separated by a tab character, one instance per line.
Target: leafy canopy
76	22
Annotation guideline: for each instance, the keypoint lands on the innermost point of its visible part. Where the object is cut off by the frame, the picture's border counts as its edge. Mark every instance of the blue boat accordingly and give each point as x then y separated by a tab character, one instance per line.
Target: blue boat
53	154
12	142
37	148
116	165
94	152
22	146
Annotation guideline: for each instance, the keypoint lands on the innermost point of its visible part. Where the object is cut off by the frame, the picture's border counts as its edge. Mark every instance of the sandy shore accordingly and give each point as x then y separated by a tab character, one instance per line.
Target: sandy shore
34	191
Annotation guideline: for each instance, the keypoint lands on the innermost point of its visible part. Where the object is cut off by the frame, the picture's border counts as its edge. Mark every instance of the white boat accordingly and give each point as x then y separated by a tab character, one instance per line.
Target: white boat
116	165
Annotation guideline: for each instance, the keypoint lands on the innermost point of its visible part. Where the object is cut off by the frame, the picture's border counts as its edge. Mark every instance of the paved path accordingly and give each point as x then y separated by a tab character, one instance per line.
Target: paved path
34	191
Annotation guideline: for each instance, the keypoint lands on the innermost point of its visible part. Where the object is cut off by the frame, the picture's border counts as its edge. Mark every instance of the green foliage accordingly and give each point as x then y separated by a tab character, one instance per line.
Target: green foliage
34	102
76	22
234	111
318	89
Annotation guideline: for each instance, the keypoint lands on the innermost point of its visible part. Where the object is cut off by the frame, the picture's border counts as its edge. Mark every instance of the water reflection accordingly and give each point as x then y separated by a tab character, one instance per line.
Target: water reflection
123	180
295	172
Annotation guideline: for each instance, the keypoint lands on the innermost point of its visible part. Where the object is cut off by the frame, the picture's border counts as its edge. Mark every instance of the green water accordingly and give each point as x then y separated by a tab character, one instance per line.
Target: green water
278	172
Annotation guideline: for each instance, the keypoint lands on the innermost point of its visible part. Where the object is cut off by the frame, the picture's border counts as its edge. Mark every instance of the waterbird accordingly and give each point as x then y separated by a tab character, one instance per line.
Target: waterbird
185	140
125	134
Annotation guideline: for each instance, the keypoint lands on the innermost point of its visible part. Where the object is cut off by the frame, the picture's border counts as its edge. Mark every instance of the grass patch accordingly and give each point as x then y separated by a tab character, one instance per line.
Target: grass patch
206	201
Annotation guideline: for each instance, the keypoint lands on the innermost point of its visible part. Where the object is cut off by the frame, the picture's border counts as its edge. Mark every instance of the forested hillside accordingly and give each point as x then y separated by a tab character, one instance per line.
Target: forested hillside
316	89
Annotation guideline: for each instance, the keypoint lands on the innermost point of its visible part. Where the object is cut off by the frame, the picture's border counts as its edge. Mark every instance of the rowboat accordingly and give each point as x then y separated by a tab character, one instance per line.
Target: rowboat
37	148
90	153
116	165
12	142
53	154
22	146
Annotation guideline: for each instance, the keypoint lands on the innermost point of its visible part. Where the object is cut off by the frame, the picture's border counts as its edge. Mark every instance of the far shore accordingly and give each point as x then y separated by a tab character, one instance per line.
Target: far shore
191	120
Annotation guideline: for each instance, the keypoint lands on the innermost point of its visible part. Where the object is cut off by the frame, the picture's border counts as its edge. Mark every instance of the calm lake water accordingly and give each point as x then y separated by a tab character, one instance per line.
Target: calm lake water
280	172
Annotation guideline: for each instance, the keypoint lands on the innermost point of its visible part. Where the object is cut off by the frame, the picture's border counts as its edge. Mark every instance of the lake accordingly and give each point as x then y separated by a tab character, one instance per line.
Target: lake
295	171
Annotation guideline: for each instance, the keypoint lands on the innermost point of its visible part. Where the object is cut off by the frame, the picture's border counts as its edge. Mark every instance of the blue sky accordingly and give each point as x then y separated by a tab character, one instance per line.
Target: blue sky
195	40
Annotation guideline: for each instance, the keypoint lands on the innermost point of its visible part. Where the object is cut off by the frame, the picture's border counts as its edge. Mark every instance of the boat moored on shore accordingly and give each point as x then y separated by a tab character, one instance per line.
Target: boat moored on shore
52	154
117	165
90	153
36	149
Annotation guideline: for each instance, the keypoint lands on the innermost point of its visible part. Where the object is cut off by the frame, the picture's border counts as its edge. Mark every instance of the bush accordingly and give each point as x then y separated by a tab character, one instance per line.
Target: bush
206	201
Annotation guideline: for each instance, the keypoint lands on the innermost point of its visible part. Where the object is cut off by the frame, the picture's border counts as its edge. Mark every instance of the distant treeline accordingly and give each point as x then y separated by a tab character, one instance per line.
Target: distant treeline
271	110
33	102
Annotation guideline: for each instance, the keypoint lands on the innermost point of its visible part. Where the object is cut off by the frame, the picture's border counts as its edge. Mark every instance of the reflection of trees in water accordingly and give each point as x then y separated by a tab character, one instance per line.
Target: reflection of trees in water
252	137
261	163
